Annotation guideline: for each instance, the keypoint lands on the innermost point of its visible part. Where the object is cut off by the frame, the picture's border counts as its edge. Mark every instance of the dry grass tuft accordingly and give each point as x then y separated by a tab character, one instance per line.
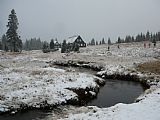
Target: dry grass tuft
36	72
39	72
152	67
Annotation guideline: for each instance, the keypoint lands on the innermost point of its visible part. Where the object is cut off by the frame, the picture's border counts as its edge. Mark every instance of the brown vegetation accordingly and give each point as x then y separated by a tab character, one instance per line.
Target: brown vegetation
152	66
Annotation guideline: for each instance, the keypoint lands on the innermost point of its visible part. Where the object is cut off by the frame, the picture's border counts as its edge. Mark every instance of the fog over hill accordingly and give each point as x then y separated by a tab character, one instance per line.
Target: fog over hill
90	18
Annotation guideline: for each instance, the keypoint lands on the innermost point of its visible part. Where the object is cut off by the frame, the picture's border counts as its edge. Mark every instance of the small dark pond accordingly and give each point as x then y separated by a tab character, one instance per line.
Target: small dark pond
114	91
28	115
117	91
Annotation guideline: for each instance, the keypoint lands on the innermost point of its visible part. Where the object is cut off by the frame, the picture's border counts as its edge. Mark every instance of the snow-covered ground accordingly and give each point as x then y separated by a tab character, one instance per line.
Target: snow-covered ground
28	79
146	109
123	61
28	82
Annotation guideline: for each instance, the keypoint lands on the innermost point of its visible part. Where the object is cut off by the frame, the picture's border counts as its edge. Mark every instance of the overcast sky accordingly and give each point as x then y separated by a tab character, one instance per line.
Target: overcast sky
89	18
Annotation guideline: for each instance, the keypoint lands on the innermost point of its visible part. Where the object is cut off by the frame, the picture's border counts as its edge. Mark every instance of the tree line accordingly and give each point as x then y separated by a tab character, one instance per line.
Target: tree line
152	37
33	44
101	42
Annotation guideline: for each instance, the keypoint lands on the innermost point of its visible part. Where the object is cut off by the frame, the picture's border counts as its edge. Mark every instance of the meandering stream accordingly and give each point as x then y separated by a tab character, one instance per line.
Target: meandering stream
113	92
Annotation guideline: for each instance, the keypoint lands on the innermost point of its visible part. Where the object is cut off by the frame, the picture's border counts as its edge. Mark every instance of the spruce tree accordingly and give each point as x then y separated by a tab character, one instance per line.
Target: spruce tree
0	45
138	38
132	38
93	42
128	39
52	44
14	41
4	43
103	41
119	40
96	42
64	47
109	41
45	48
158	35
27	45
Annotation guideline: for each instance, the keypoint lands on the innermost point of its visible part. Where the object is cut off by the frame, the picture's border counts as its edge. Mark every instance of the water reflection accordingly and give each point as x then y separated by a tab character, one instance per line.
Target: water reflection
117	91
28	115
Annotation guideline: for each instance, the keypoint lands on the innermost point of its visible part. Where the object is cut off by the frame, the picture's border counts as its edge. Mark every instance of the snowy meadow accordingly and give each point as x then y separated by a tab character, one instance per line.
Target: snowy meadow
30	80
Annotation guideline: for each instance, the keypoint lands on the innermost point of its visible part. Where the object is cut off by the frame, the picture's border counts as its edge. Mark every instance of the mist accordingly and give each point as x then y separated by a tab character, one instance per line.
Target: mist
97	19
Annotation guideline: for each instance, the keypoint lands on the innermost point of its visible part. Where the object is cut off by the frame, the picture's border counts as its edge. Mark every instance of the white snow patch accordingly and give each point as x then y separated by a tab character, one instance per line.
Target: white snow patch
147	109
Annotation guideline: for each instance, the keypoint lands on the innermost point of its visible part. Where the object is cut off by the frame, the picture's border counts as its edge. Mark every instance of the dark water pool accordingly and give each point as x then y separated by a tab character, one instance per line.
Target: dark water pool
28	115
117	91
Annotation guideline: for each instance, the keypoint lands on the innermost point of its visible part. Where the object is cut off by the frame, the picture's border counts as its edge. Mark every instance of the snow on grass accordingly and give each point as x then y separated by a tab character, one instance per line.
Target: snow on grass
47	84
31	82
123	62
26	79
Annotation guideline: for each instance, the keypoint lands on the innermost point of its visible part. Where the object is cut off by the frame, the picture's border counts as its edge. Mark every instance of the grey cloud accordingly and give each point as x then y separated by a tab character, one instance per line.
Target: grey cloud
90	18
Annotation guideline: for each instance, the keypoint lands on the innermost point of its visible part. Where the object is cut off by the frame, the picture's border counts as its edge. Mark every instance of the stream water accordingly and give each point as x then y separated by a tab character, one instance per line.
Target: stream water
117	91
114	91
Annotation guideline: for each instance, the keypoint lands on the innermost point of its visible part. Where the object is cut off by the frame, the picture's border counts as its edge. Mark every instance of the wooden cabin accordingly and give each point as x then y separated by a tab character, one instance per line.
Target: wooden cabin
76	40
56	44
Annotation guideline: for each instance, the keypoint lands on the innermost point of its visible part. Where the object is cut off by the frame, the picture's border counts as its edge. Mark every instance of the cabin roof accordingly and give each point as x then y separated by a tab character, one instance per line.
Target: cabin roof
55	41
72	39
